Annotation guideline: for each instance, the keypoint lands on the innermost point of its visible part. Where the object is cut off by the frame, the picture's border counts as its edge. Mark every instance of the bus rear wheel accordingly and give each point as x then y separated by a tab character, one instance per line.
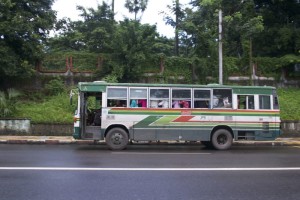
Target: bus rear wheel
222	139
116	139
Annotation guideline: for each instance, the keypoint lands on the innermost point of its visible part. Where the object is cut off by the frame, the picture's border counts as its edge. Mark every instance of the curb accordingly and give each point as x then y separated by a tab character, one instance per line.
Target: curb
284	142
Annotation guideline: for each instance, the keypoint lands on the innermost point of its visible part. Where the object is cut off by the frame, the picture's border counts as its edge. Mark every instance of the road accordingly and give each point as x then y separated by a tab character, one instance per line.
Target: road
145	172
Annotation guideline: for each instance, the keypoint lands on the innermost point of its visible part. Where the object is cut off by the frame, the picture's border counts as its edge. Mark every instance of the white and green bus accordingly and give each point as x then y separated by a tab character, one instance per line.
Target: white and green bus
216	115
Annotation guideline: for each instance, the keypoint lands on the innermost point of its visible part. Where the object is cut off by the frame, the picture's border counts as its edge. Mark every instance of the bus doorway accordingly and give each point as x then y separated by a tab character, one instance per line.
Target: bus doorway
91	115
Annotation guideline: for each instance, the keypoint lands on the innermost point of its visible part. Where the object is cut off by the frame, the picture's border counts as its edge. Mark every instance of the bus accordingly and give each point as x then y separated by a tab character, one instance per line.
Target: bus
216	115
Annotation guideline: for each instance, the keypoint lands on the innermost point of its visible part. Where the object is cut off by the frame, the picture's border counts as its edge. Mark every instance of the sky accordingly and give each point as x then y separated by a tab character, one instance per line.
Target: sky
67	8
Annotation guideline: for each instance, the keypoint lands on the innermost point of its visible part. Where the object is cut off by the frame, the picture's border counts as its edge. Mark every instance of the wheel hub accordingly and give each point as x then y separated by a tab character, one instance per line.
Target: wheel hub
117	138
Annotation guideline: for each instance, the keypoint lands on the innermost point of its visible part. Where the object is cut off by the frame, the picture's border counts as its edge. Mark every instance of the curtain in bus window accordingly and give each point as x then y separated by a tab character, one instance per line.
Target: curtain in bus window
264	102
222	98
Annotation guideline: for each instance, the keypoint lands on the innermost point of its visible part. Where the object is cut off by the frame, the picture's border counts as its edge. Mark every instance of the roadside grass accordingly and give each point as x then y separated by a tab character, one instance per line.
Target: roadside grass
57	108
52	109
289	101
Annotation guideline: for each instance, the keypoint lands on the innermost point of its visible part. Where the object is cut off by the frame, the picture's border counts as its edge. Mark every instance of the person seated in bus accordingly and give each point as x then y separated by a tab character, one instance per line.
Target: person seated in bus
175	104
184	104
201	104
142	103
215	101
163	104
153	104
133	103
97	118
120	103
226	103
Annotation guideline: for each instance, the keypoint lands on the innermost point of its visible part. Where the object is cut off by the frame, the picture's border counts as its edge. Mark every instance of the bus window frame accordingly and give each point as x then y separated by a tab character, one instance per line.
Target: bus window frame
199	99
230	98
141	88
181	98
270	102
246	103
159	99
117	98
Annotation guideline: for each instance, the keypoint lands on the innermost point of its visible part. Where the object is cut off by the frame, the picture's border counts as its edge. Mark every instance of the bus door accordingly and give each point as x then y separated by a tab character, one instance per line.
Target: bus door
91	115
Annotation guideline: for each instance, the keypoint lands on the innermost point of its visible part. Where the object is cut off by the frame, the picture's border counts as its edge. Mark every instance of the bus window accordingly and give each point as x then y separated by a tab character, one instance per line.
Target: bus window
264	102
159	98
275	100
181	98
138	97
201	98
245	101
116	97
222	98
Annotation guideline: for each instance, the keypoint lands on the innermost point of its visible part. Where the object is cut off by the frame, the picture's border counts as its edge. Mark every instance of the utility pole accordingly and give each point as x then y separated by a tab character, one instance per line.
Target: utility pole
220	49
176	28
251	62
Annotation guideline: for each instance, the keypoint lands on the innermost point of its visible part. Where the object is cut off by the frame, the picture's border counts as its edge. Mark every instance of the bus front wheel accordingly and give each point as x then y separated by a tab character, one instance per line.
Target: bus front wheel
222	139
116	139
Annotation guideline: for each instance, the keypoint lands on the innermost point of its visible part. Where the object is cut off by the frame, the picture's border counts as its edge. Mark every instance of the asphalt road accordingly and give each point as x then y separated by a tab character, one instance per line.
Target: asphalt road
55	172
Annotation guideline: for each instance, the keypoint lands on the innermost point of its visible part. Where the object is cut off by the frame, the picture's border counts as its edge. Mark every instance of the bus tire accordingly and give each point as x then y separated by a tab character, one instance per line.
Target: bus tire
221	139
116	139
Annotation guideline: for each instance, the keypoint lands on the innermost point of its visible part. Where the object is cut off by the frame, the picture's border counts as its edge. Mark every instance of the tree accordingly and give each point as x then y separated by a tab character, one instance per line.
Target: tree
24	27
135	6
281	19
8	102
176	9
94	33
134	45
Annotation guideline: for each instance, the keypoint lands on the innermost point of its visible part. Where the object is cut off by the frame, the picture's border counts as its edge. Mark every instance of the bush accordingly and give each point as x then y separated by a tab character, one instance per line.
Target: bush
55	87
289	103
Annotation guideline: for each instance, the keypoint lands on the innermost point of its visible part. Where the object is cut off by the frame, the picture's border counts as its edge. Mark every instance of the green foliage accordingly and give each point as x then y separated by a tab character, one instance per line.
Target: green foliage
8	102
135	6
54	109
289	103
24	26
55	86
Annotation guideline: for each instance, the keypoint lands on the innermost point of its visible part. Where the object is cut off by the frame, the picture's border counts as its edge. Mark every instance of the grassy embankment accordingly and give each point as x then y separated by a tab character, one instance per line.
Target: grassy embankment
57	109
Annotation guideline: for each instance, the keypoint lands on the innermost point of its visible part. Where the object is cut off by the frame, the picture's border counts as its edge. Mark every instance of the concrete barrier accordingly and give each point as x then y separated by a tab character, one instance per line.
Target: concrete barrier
14	126
52	129
291	125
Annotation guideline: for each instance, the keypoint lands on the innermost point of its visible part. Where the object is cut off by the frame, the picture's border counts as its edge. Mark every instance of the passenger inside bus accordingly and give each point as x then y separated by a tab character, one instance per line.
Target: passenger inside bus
176	104
116	103
163	104
184	104
97	118
142	103
133	103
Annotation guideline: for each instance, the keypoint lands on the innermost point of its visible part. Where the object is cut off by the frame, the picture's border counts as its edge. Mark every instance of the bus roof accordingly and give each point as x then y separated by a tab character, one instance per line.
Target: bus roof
100	86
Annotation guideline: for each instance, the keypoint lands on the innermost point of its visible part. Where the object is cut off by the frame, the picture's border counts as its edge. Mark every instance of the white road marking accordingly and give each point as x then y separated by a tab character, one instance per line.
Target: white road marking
150	169
158	153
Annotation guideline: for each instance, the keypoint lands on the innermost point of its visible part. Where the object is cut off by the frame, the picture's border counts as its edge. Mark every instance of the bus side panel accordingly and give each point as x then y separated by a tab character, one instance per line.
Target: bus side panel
257	125
172	127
